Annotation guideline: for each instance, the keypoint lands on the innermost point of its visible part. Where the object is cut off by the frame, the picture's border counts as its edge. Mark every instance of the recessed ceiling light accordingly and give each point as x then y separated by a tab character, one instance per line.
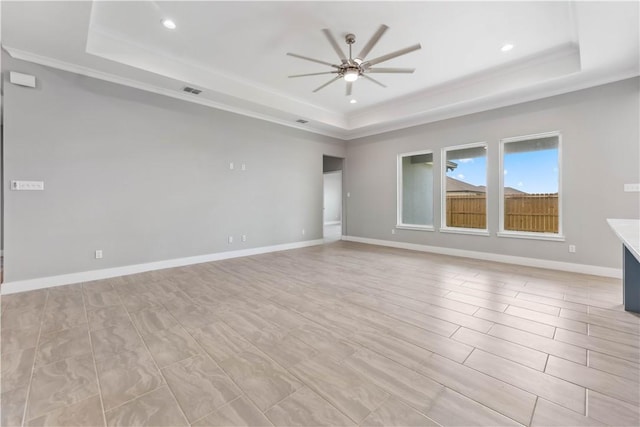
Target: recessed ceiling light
168	23
353	101
506	47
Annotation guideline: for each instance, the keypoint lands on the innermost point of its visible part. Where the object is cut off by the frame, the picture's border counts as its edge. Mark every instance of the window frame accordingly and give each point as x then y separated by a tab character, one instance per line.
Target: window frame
559	236
443	191
399	193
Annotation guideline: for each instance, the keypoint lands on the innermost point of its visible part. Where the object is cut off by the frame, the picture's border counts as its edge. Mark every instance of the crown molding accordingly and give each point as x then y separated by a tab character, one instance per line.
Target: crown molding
113	78
552	87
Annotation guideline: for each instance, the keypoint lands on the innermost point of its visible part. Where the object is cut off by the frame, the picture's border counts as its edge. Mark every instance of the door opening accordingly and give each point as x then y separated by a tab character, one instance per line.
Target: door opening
332	211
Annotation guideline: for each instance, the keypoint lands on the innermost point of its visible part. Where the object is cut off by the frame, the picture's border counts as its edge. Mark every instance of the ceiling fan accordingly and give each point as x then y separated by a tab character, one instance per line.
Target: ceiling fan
350	69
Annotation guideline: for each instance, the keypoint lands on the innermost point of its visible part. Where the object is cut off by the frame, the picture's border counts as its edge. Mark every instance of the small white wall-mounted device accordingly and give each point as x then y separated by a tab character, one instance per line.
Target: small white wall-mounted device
27	185
21	79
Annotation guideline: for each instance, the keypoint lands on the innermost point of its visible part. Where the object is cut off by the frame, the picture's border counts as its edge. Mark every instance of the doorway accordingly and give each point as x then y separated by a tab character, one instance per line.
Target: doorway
332	209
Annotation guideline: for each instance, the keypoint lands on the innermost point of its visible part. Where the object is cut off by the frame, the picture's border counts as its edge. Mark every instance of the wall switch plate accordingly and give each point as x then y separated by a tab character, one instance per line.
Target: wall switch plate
348	194
27	185
244	167
230	239
244	237
98	254
393	231
303	231
572	249
231	166
631	188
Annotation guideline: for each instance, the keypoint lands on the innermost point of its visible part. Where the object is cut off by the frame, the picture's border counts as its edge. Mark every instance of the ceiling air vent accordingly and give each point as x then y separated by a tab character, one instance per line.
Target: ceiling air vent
192	90
302	121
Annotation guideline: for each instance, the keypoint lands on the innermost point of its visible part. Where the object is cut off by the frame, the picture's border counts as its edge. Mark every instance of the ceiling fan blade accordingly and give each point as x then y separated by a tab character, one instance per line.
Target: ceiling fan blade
373	80
327	83
349	88
392	55
313	74
295	55
391	70
335	45
372	42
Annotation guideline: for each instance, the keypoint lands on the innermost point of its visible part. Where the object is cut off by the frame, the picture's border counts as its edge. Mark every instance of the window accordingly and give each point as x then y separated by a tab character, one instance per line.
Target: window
464	183
530	183
415	190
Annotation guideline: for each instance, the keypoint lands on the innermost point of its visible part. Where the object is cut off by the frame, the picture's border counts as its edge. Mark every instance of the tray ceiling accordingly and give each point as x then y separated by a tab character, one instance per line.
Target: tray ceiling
235	52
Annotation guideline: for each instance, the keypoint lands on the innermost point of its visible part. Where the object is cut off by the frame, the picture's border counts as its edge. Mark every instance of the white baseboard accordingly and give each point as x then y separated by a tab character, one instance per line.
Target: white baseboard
488	256
332	223
87	276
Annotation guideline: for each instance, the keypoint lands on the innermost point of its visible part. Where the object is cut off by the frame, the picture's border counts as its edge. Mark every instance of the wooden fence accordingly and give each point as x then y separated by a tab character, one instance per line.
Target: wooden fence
522	212
466	210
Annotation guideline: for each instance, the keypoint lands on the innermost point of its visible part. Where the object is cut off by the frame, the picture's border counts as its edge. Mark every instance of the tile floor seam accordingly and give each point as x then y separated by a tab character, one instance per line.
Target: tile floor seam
316	391
120	405
144	343
446	386
379	406
587	388
409	323
95	365
529	391
33	367
533	413
215	410
227	375
514	327
586	403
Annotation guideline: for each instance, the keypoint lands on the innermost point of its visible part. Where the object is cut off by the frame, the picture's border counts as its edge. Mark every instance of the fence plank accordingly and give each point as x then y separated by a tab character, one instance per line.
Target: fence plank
522	212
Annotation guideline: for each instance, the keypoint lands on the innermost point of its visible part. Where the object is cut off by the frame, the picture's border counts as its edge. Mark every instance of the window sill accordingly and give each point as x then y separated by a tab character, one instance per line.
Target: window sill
471	231
531	236
415	227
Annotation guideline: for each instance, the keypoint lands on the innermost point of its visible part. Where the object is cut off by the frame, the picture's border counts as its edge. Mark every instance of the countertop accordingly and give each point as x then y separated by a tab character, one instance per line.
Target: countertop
628	231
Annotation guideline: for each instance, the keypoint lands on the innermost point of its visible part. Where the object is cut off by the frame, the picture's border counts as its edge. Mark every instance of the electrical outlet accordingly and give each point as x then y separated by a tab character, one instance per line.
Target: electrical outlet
572	249
99	254
230	239
244	237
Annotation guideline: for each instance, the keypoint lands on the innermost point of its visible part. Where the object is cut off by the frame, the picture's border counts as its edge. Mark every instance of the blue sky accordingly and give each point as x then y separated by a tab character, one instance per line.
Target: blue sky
532	172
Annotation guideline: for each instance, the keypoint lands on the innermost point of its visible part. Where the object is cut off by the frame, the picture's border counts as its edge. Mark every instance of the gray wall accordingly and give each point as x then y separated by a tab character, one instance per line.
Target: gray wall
600	153
332	196
145	177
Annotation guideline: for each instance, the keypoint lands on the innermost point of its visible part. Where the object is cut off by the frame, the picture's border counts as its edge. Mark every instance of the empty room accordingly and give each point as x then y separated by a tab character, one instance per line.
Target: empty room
312	213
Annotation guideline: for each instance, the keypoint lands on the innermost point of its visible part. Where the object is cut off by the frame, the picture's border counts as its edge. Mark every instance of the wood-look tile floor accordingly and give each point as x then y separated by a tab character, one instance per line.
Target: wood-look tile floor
340	334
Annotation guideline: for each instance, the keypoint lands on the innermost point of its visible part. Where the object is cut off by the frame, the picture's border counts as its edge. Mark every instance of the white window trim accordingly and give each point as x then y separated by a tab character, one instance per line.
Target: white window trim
559	236
399	223
531	235
443	191
470	231
416	227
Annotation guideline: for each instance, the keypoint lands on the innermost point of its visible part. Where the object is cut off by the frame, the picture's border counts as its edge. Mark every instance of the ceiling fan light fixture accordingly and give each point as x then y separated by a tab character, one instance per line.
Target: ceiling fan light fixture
169	24
351	75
